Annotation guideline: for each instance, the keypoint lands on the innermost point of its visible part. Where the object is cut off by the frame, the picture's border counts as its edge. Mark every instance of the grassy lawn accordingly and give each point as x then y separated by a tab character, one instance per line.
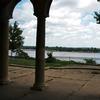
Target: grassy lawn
31	62
22	61
59	63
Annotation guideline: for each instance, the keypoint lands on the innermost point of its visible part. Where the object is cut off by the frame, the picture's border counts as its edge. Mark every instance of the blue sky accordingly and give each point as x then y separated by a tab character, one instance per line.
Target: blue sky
71	23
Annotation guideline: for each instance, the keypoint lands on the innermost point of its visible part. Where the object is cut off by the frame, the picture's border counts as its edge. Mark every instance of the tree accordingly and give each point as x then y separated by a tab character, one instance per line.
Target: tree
15	38
97	17
50	58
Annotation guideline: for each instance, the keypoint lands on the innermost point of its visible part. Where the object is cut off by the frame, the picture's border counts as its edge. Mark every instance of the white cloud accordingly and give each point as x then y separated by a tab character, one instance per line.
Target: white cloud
71	23
83	3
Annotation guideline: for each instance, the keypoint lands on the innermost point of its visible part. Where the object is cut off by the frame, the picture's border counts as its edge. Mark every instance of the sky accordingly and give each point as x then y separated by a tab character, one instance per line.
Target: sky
71	23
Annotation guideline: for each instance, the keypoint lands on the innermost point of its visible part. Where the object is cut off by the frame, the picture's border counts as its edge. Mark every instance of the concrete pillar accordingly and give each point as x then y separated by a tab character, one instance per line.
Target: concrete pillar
41	11
40	54
6	11
3	52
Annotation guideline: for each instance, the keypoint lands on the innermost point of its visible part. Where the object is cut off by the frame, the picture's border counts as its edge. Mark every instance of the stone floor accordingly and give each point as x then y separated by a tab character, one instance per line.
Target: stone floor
63	84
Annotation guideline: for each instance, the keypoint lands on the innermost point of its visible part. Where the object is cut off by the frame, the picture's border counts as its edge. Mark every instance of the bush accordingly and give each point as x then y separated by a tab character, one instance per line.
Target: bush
90	61
22	54
50	58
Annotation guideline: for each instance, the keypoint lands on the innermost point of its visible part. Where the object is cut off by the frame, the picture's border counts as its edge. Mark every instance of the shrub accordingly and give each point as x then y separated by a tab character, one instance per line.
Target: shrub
22	54
50	58
90	61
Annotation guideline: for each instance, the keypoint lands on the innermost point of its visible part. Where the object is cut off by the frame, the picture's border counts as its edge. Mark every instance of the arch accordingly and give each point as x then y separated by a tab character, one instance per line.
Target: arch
41	12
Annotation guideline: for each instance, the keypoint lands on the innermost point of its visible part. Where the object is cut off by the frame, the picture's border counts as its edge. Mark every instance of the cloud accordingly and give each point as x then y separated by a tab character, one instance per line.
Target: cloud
71	23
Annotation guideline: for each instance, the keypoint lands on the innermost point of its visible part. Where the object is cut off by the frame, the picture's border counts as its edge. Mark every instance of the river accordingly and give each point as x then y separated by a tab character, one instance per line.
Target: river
76	56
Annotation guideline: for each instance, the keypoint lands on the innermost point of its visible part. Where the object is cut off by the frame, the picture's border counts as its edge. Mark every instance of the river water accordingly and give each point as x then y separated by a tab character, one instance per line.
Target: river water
76	56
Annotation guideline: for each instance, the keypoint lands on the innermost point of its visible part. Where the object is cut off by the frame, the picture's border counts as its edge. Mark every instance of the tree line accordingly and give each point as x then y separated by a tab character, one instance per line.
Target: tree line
69	49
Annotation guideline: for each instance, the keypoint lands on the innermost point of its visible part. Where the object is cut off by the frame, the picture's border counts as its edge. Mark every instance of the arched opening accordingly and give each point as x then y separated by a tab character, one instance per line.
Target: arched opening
26	20
41	12
23	14
73	28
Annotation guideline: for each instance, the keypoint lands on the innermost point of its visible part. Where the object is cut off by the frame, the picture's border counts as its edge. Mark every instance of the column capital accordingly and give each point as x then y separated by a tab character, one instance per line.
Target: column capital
41	7
6	8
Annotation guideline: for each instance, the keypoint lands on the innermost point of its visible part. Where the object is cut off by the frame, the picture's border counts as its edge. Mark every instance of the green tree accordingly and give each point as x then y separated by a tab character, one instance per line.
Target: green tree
97	17
15	38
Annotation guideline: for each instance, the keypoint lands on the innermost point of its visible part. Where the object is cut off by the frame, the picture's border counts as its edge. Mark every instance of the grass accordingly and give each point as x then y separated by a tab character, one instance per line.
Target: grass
22	61
31	62
59	63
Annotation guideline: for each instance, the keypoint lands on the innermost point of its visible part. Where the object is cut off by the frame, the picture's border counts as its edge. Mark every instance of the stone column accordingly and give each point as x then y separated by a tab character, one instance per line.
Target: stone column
40	54
6	11
41	11
3	52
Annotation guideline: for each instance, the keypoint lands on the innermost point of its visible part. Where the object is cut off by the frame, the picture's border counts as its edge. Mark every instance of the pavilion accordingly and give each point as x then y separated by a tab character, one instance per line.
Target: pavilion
41	11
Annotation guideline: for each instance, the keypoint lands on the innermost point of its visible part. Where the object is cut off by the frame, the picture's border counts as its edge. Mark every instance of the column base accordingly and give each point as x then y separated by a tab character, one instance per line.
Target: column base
39	87
5	82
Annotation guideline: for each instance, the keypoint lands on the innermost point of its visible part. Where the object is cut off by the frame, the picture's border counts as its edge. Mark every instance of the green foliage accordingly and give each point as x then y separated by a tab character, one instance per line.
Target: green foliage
97	17
22	54
22	61
59	63
53	62
49	55
50	58
69	49
90	61
31	62
15	38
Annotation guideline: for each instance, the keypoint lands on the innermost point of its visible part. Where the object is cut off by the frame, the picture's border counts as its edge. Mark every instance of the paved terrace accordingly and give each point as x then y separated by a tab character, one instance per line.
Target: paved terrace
63	84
